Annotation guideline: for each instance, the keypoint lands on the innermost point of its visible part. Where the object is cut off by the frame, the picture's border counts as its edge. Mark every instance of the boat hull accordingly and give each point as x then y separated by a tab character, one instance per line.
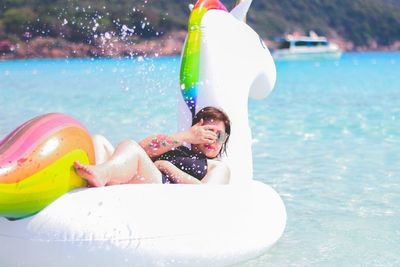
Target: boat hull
306	55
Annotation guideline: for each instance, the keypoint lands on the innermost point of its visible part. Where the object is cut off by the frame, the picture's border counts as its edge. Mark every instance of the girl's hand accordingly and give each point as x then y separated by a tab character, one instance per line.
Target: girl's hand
201	134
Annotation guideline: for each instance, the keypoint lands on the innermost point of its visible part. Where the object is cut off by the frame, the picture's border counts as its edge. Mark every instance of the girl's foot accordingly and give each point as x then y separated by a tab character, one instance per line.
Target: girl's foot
90	173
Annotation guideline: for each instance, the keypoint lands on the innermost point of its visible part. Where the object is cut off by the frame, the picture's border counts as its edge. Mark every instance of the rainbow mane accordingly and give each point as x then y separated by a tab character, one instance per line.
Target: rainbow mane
36	162
189	74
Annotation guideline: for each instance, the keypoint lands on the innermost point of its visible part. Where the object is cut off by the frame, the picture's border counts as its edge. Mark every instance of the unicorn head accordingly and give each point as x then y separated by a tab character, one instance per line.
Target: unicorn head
224	61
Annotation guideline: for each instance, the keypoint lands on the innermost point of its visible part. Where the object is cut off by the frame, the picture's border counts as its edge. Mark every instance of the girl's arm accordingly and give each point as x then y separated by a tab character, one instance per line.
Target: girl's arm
157	145
217	173
175	174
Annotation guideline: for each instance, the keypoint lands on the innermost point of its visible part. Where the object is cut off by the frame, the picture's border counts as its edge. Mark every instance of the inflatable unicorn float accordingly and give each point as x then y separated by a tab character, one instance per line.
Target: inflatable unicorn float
48	218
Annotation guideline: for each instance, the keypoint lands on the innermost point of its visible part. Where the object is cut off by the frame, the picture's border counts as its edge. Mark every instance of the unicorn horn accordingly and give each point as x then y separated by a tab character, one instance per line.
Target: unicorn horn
241	9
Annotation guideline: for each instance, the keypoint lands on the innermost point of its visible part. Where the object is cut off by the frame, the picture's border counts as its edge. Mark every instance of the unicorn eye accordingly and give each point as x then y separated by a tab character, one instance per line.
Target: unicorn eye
262	43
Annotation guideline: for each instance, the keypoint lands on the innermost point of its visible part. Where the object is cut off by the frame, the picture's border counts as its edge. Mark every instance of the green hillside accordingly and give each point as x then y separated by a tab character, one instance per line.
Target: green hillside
358	21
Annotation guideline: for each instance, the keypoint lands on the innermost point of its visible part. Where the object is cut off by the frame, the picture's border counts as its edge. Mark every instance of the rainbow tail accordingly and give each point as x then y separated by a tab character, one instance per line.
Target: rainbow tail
36	163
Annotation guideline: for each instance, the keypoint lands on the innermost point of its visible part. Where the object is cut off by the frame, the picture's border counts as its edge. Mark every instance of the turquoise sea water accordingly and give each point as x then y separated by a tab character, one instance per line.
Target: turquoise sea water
327	139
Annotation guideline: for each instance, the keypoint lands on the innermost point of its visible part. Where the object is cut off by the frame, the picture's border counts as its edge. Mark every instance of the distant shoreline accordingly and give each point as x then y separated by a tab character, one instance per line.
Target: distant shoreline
108	48
167	45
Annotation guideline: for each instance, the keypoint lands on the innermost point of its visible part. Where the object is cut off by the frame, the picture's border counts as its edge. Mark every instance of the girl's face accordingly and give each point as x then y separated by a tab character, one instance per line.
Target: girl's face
211	150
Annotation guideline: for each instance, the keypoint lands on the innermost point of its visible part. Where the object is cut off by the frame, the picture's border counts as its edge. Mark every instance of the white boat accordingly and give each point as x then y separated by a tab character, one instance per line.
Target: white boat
306	47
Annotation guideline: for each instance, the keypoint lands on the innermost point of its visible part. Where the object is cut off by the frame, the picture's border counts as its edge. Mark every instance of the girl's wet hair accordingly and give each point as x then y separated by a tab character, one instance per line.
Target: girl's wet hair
215	114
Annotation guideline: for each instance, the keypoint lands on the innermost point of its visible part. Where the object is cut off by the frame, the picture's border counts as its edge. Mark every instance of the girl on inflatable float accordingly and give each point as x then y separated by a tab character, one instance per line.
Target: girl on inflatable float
164	158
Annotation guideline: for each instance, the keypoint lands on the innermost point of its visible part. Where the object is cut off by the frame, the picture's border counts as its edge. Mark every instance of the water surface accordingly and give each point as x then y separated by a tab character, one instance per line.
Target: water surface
327	139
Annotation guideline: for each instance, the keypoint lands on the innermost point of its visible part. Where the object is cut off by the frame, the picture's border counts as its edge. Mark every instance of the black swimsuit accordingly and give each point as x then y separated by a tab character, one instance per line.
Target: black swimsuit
188	161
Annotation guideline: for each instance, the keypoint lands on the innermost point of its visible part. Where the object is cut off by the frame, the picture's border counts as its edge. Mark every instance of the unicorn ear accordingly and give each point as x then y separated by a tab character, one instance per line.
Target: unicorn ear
190	6
240	10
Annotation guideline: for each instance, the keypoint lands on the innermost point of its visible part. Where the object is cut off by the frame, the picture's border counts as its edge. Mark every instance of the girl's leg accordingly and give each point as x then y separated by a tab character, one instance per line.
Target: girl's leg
128	164
103	149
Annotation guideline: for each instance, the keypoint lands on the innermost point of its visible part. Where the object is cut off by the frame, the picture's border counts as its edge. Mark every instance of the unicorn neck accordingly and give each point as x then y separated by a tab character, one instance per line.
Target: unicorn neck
189	73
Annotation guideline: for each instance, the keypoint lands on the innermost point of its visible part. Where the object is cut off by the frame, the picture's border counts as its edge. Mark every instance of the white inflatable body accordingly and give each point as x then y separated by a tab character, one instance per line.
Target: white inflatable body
147	225
171	225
